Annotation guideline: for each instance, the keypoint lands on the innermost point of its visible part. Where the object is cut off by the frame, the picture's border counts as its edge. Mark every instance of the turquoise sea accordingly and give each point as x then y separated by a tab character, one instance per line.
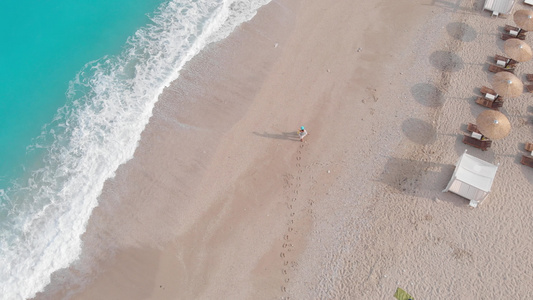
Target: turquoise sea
46	43
78	82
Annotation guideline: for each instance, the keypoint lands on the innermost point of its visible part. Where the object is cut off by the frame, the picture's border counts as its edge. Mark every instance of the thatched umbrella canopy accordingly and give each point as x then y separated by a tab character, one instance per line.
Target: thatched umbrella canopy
524	19
517	50
493	124
507	84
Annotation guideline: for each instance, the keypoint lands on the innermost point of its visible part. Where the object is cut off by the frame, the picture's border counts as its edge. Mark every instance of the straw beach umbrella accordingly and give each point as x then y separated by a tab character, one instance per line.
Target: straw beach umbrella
524	19
507	84
493	124
517	50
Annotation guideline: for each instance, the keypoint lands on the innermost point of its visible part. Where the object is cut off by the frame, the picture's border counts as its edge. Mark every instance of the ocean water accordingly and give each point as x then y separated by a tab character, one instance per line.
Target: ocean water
78	84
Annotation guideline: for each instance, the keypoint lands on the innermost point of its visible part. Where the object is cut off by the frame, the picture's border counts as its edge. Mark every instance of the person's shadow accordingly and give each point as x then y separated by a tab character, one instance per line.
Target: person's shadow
291	135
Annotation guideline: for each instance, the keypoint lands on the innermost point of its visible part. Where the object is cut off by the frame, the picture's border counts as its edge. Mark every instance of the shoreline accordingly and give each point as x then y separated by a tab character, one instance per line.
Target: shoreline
243	210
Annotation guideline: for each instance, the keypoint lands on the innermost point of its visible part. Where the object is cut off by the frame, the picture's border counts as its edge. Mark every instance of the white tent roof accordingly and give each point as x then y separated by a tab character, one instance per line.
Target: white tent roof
475	172
499	6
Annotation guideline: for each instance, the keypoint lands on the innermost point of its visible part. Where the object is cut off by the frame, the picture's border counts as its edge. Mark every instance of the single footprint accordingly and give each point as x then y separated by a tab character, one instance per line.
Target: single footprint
286	262
283	289
289	206
283	271
294	264
298	158
286	237
290	229
282	255
292	214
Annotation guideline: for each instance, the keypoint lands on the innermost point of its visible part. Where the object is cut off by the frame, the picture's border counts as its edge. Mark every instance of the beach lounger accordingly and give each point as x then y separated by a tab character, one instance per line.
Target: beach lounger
529	87
496	69
504	62
488	103
484	145
529	147
527	160
506	36
490	94
472	128
528	2
529	77
509	28
486	90
515	31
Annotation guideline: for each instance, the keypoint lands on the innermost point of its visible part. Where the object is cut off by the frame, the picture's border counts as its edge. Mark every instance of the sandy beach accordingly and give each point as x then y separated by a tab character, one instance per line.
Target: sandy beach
222	200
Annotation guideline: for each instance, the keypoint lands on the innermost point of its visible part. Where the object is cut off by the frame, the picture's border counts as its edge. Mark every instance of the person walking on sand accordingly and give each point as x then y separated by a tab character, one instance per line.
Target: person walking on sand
302	133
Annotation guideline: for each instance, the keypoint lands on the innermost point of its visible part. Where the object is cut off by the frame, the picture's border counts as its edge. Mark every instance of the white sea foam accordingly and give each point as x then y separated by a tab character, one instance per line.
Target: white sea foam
110	103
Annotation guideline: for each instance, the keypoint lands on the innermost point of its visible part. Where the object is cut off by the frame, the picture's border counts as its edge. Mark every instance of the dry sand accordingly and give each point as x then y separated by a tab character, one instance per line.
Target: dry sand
223	202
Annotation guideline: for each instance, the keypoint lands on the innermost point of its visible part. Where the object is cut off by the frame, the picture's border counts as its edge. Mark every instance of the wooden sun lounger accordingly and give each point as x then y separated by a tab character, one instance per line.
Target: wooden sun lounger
485	91
484	145
527	160
507	62
472	128
529	87
506	36
529	77
513	30
528	147
488	103
510	27
496	69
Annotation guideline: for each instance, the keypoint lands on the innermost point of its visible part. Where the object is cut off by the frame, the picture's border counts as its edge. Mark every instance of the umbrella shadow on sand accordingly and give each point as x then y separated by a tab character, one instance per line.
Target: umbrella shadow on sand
446	61
419	131
291	135
428	94
461	31
420	179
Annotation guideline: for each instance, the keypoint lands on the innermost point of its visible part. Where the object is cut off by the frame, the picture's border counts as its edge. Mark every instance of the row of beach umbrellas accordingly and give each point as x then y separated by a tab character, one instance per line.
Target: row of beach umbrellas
508	85
493	124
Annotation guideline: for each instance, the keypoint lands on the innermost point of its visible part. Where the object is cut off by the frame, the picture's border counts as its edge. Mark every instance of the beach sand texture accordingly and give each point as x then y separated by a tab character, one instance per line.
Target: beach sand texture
222	201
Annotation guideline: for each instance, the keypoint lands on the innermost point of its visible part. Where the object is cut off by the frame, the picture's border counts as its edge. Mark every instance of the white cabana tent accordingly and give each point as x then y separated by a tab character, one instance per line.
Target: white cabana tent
472	178
499	6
